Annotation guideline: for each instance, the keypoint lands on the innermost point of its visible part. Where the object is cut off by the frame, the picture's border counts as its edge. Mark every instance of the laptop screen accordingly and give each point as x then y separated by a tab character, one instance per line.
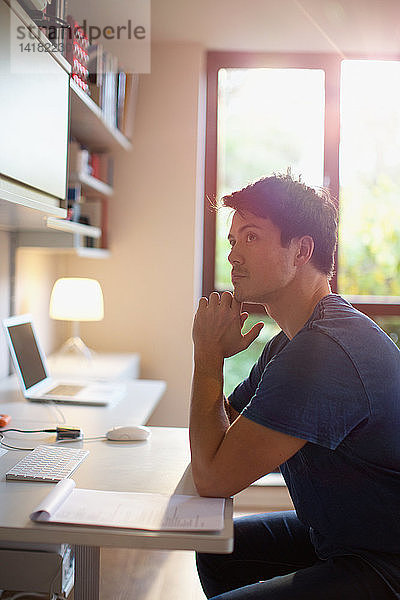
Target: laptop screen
27	353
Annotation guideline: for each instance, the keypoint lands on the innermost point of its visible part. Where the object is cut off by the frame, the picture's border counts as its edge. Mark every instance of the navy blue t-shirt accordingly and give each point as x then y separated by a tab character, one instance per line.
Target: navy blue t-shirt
336	384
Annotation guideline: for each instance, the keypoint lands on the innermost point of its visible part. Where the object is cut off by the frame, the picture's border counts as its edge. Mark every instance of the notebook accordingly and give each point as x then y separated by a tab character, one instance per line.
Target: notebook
33	375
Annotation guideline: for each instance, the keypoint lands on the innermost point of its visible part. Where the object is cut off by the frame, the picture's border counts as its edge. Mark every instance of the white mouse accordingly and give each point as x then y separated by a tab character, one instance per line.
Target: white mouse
128	433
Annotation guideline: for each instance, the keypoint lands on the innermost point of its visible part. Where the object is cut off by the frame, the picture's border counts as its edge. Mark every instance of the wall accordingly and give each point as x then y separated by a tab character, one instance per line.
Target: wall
36	272
35	275
151	279
4	297
280	26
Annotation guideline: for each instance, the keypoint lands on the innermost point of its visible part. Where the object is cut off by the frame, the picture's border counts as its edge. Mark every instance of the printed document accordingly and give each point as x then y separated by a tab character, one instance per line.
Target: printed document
155	512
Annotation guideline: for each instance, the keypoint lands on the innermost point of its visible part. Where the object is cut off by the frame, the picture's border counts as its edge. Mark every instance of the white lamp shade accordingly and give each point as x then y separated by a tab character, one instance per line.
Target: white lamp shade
77	299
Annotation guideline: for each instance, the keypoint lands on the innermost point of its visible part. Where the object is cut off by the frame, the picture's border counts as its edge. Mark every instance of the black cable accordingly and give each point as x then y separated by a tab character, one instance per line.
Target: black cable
29	430
22	431
4	445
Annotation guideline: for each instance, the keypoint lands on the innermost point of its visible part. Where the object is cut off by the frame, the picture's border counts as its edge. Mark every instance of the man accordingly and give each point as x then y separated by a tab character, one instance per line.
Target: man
322	402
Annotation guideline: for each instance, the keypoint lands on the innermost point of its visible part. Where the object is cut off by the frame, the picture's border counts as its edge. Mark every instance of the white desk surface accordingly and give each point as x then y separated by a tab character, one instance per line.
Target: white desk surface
158	465
142	396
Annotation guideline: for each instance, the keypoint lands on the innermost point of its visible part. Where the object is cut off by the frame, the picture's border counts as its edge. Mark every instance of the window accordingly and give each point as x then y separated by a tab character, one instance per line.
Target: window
336	122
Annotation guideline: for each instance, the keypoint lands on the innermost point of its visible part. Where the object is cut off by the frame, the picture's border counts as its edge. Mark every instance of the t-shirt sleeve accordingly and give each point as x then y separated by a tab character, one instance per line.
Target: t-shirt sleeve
310	390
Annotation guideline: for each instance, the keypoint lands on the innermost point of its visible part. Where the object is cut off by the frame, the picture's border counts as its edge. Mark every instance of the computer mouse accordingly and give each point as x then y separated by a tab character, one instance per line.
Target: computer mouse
128	433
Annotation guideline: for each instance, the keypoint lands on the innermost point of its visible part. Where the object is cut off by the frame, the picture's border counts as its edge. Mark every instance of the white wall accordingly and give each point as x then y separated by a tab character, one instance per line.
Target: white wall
149	281
4	297
35	274
279	25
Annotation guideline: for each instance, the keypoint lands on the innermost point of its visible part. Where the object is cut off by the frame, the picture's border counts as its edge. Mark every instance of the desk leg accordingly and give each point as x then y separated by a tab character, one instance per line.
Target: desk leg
87	573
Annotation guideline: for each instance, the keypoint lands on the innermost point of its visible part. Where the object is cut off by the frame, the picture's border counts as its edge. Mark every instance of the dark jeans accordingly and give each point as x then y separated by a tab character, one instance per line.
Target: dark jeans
273	559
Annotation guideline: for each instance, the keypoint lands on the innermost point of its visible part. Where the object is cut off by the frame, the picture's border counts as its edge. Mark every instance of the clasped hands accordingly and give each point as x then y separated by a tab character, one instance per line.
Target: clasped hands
217	327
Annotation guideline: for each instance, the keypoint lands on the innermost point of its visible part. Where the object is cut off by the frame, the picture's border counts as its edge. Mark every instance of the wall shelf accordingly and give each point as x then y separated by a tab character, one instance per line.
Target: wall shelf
72	227
22	207
89	127
59	236
91	184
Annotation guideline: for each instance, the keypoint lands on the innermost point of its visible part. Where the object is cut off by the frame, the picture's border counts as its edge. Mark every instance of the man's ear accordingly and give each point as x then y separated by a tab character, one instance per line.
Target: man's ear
305	249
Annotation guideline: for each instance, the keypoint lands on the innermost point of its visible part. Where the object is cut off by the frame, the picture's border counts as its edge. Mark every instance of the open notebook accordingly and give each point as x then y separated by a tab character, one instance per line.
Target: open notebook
156	512
36	383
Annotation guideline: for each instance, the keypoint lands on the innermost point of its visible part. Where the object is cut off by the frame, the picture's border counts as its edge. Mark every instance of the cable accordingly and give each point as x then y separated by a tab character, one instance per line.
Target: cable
58	410
4	445
21	431
69	434
28	430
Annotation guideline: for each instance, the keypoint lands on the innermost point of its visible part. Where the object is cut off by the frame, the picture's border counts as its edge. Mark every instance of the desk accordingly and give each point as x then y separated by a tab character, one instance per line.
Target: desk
158	465
141	398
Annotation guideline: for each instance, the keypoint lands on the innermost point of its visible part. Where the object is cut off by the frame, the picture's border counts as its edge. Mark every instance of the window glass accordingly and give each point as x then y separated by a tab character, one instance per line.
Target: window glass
268	120
238	367
391	325
369	233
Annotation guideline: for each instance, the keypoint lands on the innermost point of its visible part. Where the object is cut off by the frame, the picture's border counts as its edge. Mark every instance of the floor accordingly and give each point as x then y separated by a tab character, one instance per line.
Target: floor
148	575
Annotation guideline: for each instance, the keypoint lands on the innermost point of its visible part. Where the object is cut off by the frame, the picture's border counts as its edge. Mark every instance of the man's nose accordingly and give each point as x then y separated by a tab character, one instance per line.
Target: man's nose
234	255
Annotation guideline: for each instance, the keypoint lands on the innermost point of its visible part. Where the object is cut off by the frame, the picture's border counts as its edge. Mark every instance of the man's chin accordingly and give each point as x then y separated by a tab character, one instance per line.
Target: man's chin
240	297
237	295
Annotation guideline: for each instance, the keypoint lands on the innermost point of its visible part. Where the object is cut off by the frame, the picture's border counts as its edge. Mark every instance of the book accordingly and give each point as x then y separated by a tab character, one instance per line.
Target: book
78	159
96	68
130	100
94	213
129	510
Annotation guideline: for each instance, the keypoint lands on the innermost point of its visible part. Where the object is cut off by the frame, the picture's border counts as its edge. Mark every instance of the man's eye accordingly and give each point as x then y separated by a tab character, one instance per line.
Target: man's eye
231	242
251	237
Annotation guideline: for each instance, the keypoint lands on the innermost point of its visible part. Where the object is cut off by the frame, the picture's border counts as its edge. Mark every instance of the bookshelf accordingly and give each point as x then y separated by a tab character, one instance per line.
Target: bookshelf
60	236
91	185
40	220
89	125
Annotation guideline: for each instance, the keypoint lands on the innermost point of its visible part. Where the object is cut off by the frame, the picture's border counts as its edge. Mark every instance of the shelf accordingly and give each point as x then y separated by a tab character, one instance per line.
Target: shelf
79	251
89	127
72	227
59	236
91	184
23	208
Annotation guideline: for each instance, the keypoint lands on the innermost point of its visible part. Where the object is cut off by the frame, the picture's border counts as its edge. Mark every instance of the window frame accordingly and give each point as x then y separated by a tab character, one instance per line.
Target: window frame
331	64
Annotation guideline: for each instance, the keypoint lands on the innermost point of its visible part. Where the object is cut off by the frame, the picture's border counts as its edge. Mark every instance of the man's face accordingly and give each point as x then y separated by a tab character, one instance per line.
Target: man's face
261	267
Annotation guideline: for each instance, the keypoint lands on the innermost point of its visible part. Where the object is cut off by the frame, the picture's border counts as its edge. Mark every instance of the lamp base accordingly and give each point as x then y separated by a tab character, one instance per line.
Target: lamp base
75	345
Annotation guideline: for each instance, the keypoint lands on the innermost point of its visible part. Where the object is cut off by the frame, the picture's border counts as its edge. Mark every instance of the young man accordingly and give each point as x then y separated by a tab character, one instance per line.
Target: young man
322	402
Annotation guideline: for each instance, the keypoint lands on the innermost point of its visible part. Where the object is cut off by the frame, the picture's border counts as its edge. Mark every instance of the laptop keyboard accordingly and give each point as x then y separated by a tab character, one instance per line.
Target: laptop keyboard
65	390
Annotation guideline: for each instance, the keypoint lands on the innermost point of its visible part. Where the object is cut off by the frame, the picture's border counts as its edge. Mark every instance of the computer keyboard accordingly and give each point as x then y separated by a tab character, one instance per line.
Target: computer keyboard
48	464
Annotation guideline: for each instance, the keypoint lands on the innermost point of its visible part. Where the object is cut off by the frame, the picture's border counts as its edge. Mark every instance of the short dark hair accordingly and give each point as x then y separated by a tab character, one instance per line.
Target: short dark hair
297	210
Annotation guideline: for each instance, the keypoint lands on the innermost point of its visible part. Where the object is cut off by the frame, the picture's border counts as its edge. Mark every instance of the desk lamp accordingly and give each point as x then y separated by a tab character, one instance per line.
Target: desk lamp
76	299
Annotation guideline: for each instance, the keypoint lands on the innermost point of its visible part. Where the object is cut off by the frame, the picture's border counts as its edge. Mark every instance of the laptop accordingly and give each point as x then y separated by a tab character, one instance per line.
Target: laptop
33	375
